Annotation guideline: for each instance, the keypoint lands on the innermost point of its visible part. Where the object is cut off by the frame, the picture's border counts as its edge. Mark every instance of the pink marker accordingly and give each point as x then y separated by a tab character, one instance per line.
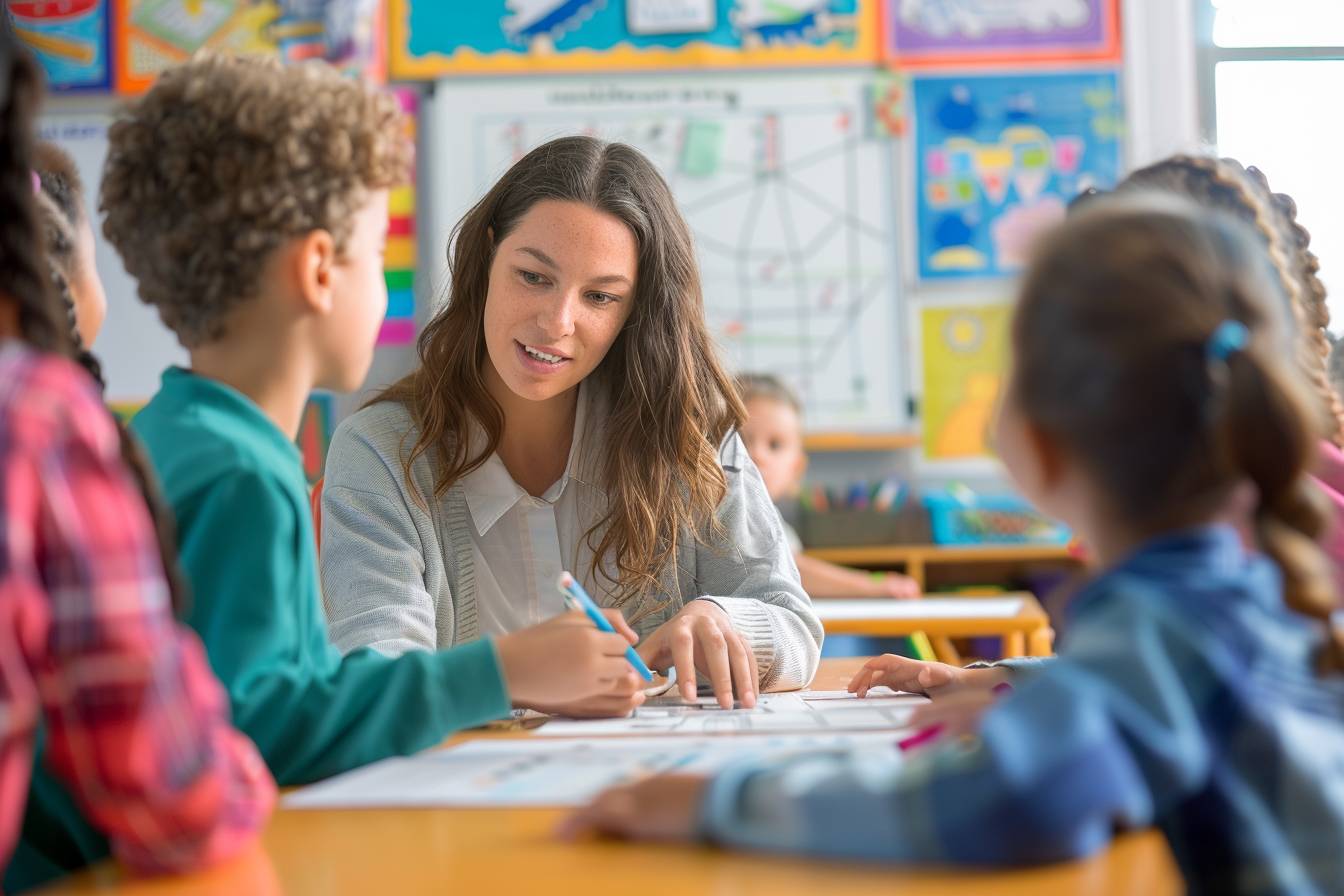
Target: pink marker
919	738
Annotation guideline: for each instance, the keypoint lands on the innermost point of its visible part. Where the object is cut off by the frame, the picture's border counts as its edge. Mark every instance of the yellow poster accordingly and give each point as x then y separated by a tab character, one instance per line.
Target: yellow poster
965	360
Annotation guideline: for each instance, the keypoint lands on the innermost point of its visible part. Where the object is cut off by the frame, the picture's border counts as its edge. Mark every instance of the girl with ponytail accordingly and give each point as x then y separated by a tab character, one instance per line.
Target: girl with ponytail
135	731
1198	687
1226	185
73	275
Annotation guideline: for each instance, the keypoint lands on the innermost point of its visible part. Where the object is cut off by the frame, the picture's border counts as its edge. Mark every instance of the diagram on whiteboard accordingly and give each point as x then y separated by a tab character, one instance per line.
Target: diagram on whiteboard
787	196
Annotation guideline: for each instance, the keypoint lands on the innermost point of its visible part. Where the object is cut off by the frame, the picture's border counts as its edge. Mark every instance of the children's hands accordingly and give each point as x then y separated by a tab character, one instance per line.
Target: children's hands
701	637
626	695
566	665
661	808
935	679
897	586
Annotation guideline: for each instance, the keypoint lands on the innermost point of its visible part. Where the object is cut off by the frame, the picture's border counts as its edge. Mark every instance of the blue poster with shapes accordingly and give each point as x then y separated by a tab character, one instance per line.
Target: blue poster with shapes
998	157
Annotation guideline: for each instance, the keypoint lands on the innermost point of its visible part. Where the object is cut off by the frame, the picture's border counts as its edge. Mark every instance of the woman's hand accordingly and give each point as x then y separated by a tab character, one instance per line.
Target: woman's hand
701	637
662	808
567	666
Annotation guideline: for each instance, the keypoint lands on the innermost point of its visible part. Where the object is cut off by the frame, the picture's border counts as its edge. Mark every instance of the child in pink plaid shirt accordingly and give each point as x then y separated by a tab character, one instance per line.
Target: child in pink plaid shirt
135	724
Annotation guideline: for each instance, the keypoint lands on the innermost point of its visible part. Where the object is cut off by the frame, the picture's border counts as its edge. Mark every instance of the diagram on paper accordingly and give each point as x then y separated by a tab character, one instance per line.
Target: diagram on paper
787	713
534	772
787	194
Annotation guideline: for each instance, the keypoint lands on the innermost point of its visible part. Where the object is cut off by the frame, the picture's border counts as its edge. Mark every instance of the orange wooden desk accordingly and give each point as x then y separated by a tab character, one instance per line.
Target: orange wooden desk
468	851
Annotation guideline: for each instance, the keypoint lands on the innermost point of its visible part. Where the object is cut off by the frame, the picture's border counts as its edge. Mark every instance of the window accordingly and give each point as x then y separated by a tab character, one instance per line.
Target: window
1271	75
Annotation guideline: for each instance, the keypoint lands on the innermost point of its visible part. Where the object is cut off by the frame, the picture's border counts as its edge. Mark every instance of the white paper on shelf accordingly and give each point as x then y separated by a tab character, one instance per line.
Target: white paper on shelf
840	609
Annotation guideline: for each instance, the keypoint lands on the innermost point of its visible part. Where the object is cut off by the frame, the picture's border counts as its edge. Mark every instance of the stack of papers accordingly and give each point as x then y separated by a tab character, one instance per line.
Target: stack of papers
531	772
804	712
567	762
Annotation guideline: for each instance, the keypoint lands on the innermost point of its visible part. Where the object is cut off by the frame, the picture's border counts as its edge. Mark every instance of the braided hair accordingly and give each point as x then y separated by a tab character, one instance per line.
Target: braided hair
1226	185
26	281
38	270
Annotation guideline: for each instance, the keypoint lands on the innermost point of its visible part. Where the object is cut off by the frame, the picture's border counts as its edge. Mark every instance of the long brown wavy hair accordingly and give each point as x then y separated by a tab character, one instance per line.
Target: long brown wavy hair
671	401
1225	184
1110	339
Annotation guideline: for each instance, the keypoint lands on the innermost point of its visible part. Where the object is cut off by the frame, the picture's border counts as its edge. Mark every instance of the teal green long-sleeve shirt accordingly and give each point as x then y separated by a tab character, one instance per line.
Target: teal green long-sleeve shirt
247	546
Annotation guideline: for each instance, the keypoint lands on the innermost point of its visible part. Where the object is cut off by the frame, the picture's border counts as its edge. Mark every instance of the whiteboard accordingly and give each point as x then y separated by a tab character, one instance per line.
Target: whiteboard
790	197
134	345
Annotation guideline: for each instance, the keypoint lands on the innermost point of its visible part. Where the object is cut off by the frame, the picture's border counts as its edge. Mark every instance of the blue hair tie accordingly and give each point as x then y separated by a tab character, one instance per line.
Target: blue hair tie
1228	338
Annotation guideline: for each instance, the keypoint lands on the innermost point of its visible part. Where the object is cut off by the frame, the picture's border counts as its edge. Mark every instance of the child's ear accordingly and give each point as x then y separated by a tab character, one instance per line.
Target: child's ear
315	260
1050	456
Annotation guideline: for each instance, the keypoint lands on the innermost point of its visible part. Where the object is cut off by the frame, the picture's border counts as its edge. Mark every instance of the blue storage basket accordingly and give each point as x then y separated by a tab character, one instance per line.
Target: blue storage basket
990	519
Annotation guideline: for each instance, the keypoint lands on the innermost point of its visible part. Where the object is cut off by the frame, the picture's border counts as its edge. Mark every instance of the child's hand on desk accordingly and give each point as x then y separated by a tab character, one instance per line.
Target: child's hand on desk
566	666
701	637
938	680
896	585
660	808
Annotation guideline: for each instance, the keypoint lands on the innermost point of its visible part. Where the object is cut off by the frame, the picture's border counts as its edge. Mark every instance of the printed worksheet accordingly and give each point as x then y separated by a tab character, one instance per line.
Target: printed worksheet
795	712
532	772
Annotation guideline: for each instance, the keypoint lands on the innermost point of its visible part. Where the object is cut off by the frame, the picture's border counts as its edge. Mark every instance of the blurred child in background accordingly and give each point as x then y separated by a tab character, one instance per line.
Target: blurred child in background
774	437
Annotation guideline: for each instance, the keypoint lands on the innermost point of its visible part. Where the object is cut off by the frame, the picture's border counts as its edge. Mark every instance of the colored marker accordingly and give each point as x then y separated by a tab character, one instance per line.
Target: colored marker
578	599
919	738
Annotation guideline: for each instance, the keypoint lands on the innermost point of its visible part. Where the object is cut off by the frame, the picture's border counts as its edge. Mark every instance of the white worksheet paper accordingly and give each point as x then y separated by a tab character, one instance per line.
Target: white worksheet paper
796	712
838	609
519	772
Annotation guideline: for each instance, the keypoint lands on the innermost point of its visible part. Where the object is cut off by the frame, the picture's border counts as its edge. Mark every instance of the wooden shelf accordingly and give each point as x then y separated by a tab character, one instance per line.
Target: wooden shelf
934	565
933	553
860	441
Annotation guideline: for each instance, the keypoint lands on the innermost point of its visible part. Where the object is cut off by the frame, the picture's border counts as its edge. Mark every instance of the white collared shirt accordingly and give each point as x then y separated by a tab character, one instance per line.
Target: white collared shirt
402	573
521	544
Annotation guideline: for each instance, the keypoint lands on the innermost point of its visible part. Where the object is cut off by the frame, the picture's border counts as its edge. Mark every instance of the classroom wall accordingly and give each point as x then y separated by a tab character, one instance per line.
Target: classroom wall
1159	82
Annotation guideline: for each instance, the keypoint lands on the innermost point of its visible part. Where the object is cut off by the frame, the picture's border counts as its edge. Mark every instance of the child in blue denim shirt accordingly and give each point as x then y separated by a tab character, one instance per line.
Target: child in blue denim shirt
1198	687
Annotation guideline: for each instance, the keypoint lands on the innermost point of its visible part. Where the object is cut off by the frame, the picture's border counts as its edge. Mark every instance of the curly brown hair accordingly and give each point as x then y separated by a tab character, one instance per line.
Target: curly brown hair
227	157
1225	184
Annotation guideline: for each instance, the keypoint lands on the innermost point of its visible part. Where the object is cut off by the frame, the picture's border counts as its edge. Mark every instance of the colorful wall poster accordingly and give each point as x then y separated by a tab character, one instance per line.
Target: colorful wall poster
998	157
315	428
965	352
70	39
430	38
399	258
151	35
975	32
